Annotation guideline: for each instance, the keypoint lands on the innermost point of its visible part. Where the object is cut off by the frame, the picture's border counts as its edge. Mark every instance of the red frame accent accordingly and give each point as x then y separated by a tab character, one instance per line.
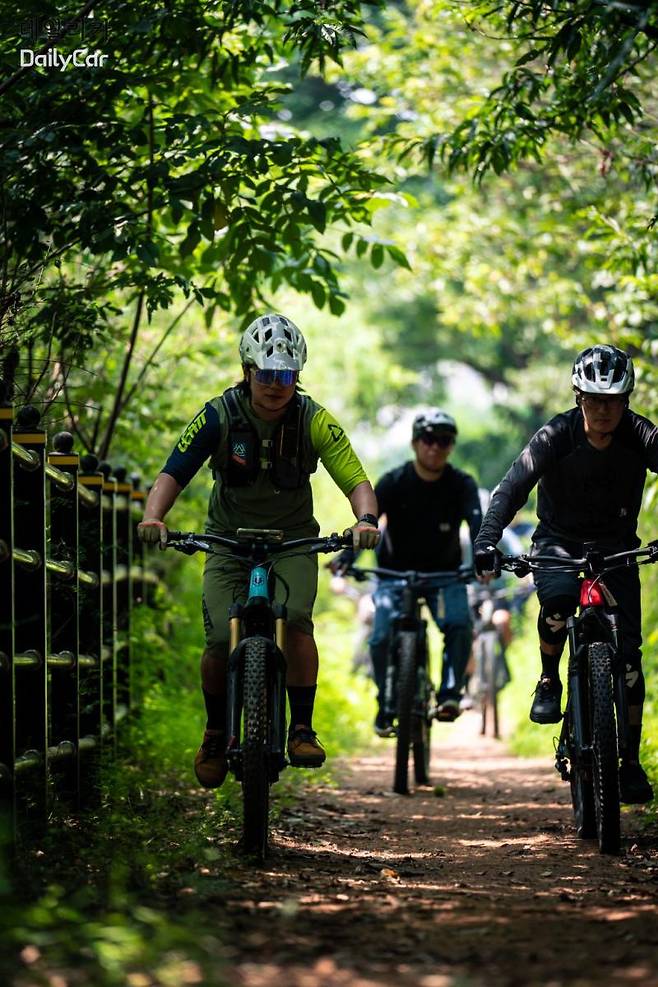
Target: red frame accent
591	594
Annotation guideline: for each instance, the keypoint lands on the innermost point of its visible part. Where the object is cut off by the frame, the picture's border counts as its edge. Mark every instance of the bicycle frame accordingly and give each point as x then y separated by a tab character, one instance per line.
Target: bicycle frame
594	731
259	618
595	622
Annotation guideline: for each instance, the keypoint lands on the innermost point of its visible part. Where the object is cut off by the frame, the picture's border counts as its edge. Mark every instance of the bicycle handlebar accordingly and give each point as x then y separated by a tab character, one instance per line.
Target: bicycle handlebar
190	542
594	563
411	576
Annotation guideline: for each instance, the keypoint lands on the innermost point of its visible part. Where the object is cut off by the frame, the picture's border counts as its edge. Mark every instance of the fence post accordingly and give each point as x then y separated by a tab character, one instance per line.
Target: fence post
123	510
109	582
137	509
7	717
30	635
63	630
91	623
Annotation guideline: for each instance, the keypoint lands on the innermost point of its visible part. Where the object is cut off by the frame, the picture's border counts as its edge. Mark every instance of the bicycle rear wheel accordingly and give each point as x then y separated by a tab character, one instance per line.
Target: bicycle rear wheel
255	775
605	757
406	658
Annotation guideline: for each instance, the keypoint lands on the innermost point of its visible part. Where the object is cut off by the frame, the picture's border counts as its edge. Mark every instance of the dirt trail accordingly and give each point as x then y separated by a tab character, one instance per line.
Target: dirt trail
486	885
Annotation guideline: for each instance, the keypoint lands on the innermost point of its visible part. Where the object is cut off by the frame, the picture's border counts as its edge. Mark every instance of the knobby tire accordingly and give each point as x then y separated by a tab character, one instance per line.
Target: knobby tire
605	757
406	658
255	775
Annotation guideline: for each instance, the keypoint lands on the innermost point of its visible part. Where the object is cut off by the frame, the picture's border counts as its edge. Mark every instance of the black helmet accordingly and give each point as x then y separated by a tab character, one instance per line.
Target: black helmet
433	422
603	369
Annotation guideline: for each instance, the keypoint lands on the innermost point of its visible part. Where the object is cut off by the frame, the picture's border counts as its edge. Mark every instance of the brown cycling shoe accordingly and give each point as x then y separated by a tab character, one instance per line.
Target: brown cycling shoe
210	764
304	748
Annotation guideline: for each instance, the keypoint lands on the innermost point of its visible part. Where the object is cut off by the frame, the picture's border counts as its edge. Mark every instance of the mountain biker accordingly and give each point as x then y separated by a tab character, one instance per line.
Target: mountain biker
264	438
507	594
590	463
425	501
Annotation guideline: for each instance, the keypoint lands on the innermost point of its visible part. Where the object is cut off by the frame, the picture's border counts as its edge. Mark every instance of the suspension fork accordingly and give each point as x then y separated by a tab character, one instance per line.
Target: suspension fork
619	685
577	688
278	690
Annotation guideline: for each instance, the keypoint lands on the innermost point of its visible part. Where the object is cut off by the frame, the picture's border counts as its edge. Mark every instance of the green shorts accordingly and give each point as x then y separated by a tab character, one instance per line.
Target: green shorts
225	583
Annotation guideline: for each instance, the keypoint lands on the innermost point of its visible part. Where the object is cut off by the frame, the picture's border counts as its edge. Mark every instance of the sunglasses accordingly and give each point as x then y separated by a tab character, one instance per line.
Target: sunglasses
438	440
283	377
603	401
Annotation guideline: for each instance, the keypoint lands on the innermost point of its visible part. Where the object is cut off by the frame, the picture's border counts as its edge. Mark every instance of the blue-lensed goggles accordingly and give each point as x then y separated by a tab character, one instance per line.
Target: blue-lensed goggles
283	377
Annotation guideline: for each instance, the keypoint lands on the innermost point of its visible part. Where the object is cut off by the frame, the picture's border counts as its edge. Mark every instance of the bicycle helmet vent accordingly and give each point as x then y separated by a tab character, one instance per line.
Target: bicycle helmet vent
603	369
435	420
272	342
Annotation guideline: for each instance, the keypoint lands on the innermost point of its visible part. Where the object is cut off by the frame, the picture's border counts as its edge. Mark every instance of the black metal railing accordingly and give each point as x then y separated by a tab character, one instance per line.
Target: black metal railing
71	570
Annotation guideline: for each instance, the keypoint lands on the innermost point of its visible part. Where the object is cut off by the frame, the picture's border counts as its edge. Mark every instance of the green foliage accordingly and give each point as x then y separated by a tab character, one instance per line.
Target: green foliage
162	178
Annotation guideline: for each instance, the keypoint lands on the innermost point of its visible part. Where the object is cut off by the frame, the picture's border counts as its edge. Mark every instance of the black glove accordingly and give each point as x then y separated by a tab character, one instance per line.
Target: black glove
653	548
341	562
487	561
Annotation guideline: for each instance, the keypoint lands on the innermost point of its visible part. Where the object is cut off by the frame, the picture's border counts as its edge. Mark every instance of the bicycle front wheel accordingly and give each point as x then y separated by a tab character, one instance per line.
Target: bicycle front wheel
422	728
605	757
255	775
406	659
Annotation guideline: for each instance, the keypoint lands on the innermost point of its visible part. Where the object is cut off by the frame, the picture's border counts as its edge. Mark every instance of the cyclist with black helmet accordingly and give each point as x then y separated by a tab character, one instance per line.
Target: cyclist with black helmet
424	502
263	439
590	465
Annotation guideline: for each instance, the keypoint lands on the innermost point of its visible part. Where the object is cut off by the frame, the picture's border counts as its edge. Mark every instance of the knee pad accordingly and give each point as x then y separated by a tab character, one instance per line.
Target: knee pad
552	620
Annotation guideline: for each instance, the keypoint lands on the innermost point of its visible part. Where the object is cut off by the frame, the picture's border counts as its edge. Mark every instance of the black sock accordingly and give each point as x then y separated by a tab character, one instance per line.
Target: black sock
550	666
302	700
215	711
634	737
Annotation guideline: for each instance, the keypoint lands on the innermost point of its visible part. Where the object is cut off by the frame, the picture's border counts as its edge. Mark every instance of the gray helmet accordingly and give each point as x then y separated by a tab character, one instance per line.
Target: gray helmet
431	422
272	342
603	369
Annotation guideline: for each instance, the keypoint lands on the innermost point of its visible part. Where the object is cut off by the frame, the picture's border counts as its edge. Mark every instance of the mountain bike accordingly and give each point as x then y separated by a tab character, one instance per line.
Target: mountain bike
491	669
256	695
595	721
408	693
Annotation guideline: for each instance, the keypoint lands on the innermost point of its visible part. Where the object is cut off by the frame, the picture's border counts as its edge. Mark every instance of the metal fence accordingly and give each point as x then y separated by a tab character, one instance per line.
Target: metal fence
71	570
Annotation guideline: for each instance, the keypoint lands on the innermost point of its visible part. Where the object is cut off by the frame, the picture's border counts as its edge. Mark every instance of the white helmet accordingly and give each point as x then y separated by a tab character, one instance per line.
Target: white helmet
603	369
272	342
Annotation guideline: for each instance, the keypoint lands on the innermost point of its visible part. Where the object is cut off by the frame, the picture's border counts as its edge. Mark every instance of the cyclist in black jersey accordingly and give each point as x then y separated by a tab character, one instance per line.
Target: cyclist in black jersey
263	439
590	465
424	502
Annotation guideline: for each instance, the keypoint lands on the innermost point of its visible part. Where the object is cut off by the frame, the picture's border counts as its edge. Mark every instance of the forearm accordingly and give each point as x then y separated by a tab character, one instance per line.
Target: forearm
362	500
162	496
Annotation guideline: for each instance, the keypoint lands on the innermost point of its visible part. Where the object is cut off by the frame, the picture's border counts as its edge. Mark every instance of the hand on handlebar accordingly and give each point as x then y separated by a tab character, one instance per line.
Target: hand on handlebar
487	563
363	535
340	563
152	531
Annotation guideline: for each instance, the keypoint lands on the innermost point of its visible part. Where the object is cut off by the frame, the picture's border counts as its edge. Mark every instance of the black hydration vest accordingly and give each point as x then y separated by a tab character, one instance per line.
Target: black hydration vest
288	455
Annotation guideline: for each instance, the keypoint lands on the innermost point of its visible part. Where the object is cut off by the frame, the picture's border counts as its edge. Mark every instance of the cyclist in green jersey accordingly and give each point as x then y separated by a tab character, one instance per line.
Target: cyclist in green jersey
263	439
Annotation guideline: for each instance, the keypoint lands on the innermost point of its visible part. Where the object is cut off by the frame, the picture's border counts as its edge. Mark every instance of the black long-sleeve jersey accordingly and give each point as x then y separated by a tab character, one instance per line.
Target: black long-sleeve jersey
584	494
423	518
